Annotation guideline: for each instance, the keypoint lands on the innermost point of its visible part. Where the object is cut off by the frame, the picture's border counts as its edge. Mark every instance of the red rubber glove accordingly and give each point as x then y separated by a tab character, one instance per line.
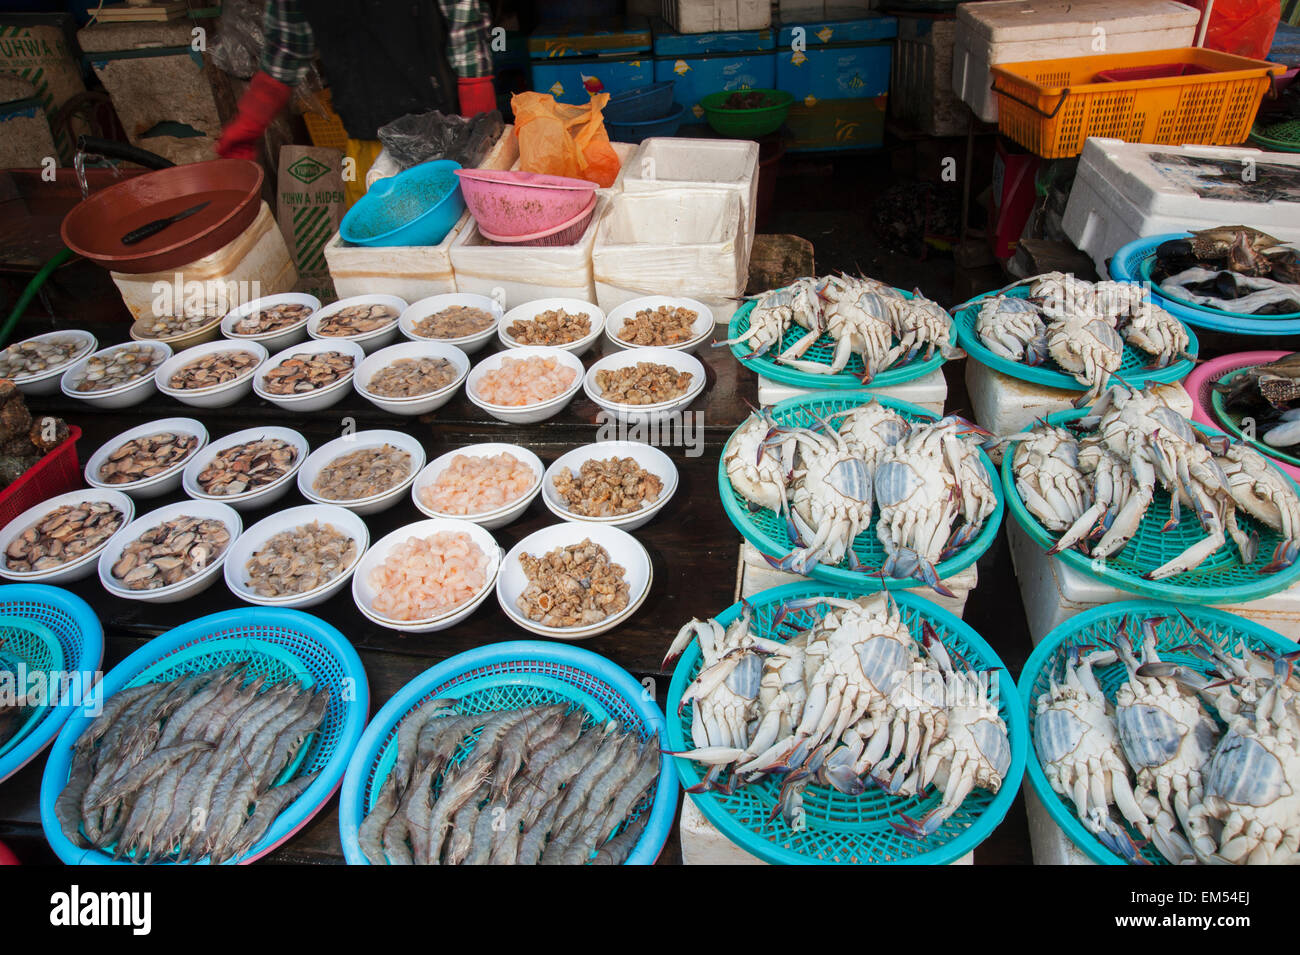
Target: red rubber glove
477	95
264	98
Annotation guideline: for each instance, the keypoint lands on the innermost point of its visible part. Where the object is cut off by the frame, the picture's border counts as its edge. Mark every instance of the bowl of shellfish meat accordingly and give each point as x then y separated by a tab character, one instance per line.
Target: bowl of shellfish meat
525	385
427	576
489	484
462	319
366	471
247	469
36	364
274	321
308	376
619	483
297	557
212	375
644	383
574	580
368	320
568	323
148	460
171	553
118	376
660	321
411	378
59	540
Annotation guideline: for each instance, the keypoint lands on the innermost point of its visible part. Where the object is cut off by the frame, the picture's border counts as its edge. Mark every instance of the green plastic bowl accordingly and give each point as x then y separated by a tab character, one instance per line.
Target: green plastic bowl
746	123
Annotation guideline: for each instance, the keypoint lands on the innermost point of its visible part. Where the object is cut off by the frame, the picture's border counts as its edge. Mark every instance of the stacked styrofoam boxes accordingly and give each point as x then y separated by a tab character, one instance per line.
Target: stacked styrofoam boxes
1124	191
929	391
1014	31
670	242
729	164
707	16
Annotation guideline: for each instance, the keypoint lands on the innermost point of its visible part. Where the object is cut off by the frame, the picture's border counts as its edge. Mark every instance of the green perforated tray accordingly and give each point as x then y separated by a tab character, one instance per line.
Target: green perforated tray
1231	422
1101	625
821	351
768	532
1133	370
851	829
1220	579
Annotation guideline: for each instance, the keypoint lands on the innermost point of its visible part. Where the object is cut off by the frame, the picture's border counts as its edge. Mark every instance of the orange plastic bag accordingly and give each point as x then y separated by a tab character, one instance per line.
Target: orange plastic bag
563	140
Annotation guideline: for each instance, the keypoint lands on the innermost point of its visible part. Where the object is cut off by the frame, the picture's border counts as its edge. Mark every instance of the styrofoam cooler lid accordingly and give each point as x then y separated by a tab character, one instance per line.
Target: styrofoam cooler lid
1009	21
1199	181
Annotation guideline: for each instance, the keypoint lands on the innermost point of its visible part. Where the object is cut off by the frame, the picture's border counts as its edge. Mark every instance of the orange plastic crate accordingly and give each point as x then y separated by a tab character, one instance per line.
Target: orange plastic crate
1051	106
326	131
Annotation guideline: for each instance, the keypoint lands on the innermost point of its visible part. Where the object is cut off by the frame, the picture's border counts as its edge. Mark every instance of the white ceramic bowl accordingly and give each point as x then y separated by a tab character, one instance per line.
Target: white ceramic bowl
530	310
364	594
215	396
281	338
256	536
159	484
182	589
321	397
701	328
47	382
525	414
369	341
123	396
421	404
259	497
356	441
497	517
469	344
623	548
648	457
680	360
83	566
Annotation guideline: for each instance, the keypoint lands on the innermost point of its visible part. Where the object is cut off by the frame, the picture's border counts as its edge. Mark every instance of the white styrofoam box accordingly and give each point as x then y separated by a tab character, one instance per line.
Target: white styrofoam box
1015	31
689	163
1124	191
670	242
710	16
702	844
929	391
794	11
526	272
253	264
920	90
758	575
1048	841
1053	592
1005	405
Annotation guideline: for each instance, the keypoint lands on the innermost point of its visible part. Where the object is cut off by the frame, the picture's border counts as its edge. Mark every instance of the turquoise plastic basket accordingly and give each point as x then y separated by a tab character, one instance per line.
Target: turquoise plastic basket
278	642
821	350
28	648
81	642
1102	623
1133	370
506	676
842	829
1133	262
1221	579
768	532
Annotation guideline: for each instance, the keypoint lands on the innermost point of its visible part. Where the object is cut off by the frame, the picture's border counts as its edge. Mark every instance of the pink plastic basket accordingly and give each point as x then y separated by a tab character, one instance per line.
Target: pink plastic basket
522	204
1200	385
56	473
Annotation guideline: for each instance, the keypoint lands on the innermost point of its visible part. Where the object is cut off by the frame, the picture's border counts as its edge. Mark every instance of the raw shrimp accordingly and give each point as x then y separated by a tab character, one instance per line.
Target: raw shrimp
475	485
525	381
424	577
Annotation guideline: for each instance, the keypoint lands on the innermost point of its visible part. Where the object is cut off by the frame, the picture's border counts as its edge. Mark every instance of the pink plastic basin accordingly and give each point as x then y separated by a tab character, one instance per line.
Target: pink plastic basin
522	203
1200	385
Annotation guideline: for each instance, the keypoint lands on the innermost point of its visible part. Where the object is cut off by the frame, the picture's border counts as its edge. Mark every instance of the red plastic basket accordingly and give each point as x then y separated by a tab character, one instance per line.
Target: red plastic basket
56	473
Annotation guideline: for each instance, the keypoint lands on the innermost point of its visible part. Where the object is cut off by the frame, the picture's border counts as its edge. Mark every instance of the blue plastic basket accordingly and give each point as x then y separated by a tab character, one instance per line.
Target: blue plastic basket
1102	624
1133	262
506	676
29	647
844	829
643	104
418	206
273	640
82	641
1221	579
1133	370
821	351
767	531
634	132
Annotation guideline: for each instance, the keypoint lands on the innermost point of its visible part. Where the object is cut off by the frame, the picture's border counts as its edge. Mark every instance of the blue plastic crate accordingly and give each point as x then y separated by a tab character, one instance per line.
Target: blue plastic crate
575	80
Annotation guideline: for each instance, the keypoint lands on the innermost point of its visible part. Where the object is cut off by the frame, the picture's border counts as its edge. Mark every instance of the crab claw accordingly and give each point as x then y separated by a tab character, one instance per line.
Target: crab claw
1184	676
965	426
707	784
921	828
1115	838
906	563
1284	555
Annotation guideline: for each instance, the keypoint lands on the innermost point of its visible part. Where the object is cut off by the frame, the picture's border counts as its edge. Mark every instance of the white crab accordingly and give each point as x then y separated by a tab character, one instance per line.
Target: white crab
1088	348
920	323
773	313
1046	466
1011	328
1077	741
757	465
829	501
1260	490
1157	333
856	316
